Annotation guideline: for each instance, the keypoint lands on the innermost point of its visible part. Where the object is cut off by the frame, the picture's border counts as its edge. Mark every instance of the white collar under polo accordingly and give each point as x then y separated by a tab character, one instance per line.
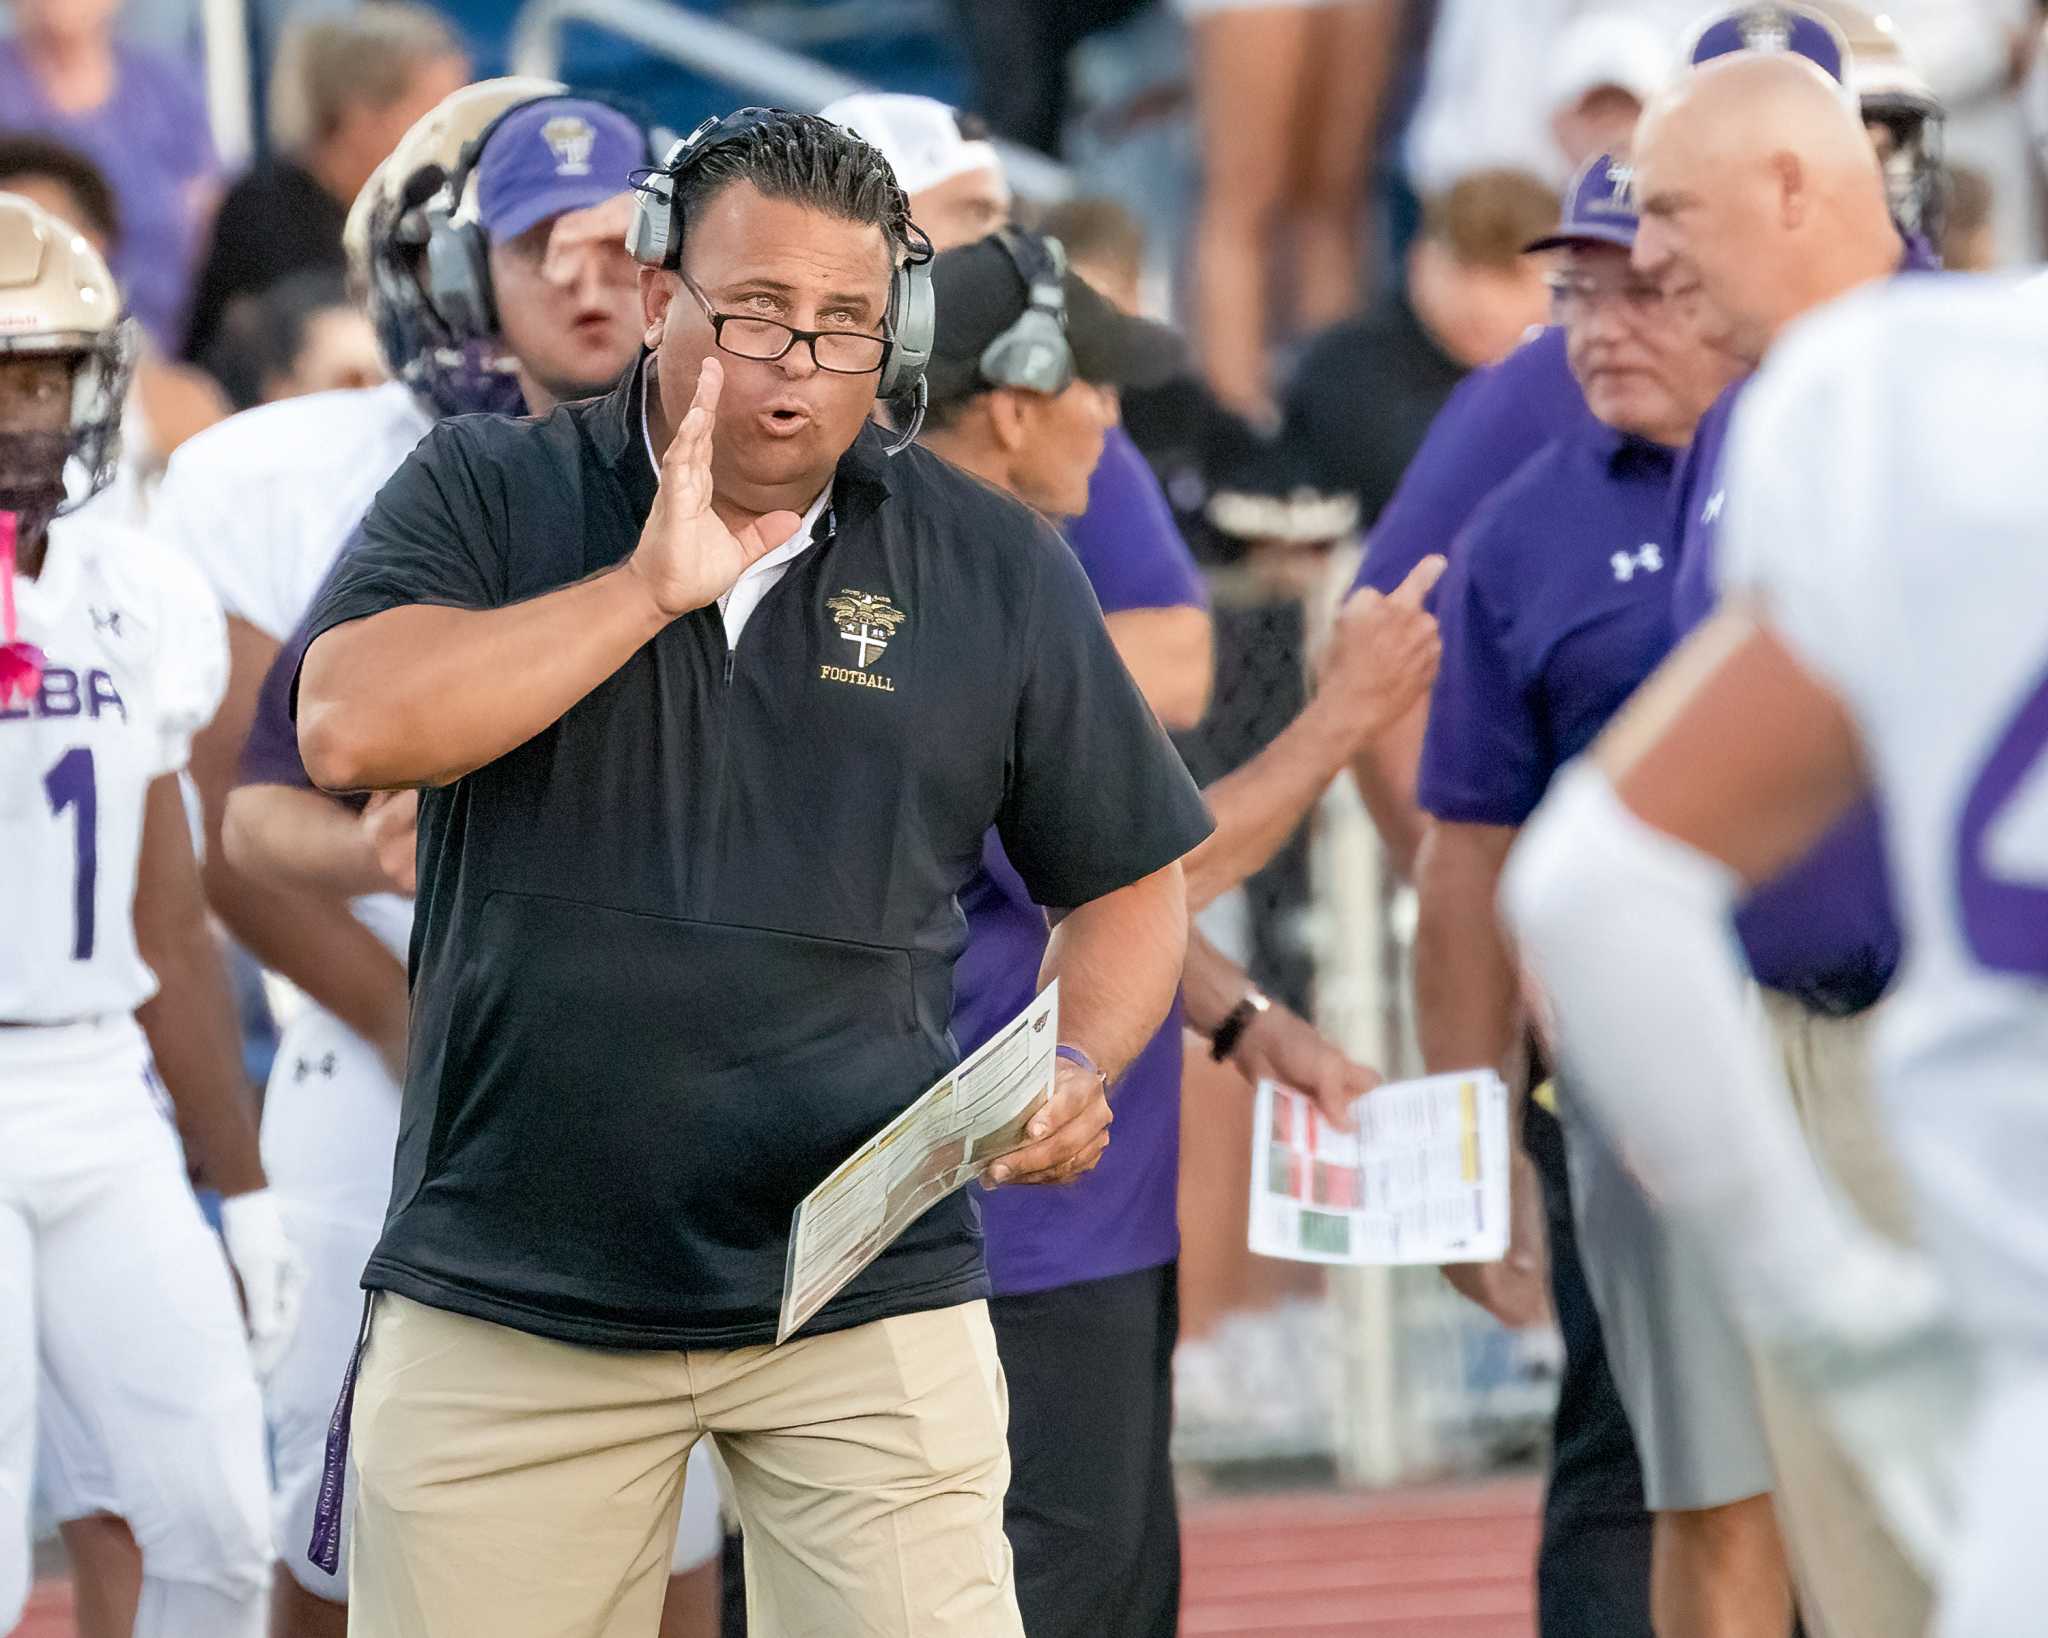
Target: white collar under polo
760	577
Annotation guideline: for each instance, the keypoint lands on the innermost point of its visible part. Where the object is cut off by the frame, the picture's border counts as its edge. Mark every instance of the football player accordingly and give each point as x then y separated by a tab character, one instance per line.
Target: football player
115	1299
491	246
1884	629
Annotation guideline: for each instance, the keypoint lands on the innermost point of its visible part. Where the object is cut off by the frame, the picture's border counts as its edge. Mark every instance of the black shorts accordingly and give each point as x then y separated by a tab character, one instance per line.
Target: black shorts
1593	1567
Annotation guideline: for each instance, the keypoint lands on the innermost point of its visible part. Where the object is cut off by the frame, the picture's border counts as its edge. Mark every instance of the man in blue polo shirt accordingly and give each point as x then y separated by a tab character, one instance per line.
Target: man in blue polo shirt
1558	606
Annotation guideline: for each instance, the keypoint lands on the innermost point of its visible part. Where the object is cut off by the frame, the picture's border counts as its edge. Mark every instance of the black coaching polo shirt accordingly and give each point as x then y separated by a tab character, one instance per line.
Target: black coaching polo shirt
679	954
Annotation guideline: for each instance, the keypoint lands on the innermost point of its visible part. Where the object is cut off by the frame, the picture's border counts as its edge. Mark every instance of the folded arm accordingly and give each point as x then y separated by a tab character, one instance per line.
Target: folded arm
308	937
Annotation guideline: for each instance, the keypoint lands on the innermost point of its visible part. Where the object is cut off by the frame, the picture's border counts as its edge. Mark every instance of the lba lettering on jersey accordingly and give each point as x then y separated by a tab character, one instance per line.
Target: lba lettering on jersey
134	663
65	693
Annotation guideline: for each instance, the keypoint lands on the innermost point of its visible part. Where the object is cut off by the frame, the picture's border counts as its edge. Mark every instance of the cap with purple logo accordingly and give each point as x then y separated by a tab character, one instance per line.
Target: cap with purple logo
554	155
1770	28
1599	207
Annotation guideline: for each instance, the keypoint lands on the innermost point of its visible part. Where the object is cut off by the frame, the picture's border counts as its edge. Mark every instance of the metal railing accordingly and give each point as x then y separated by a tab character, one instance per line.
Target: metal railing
230	87
746	62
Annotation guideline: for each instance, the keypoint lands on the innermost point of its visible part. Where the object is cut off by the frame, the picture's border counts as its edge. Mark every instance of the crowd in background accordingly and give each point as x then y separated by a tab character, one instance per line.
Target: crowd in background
1365	168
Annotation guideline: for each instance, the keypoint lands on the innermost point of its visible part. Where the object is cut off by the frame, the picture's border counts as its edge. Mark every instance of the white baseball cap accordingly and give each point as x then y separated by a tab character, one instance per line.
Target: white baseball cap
919	136
1608	49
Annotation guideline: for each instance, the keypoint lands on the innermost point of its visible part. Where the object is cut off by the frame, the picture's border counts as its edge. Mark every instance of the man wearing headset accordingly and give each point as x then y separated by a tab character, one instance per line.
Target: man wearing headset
490	246
1025	372
687	871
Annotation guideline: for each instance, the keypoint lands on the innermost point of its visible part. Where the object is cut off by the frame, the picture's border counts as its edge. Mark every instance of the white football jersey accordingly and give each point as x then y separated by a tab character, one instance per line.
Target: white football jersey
1888	512
264	501
137	662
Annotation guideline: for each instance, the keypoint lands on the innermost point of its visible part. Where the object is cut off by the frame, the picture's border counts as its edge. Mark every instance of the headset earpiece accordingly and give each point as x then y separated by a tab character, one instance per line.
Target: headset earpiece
458	272
652	238
1032	353
913	326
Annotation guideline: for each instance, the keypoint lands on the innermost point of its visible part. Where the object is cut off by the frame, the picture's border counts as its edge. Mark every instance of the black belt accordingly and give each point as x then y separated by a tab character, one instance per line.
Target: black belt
1839	995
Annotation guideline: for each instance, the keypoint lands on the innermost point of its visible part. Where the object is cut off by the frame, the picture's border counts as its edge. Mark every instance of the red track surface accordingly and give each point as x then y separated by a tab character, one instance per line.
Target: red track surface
1455	1562
1444	1563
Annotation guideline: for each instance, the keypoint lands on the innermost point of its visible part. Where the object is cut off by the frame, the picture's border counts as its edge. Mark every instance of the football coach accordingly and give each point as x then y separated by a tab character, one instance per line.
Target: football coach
714	700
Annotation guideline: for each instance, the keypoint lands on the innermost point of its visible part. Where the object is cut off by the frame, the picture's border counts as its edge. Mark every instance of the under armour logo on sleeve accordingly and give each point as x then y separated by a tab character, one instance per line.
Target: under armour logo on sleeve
1646	559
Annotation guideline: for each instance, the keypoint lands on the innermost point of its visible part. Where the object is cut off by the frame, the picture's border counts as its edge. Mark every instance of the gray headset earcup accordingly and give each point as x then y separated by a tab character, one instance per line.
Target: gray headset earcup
651	239
459	278
1032	354
914	321
647	236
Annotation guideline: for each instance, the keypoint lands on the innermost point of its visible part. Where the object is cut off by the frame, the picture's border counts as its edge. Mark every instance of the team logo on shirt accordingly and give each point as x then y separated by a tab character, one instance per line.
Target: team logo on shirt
571	138
107	620
1712	509
1647	558
867	621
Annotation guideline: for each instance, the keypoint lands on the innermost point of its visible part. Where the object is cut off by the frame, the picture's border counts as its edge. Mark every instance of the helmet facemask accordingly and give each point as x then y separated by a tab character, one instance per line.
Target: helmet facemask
1914	178
58	304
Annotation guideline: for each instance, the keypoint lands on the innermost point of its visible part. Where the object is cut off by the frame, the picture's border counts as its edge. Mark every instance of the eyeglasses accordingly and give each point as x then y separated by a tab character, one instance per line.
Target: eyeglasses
1575	295
843	352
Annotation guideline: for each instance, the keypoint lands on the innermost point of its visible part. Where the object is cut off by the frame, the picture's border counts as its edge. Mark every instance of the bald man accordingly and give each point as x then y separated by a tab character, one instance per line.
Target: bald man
1761	197
1761	201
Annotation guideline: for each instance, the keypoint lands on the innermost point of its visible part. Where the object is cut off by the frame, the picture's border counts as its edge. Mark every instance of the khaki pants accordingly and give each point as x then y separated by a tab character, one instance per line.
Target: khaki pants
1855	1579
515	1487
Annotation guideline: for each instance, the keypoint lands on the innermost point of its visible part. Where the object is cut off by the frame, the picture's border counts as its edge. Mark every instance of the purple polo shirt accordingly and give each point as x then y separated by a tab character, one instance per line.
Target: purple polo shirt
1826	930
1556	606
152	141
1121	1217
1497	418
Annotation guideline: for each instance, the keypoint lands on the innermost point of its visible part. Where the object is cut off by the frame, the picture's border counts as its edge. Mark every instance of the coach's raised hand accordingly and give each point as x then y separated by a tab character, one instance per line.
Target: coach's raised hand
425	692
688	556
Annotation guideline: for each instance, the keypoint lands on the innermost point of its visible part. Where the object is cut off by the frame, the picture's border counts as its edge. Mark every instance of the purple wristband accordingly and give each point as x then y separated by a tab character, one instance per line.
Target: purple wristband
1074	1055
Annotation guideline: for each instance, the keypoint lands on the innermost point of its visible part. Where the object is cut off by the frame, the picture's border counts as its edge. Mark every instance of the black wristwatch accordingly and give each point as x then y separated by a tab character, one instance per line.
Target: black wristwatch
1224	1042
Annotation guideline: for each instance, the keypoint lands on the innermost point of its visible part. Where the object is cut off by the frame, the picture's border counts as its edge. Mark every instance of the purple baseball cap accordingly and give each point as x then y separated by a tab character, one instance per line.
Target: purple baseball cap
1599	208
553	155
1774	28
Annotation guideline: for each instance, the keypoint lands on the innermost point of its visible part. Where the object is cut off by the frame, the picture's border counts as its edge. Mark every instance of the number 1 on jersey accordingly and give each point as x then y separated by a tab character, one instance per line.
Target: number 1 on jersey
70	785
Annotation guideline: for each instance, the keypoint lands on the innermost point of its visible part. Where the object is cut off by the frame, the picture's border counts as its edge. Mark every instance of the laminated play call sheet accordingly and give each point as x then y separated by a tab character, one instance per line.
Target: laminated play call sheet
950	1136
1423	1178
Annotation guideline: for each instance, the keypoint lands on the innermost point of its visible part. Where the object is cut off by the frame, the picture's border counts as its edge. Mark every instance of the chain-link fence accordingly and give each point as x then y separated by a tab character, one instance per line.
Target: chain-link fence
1372	1376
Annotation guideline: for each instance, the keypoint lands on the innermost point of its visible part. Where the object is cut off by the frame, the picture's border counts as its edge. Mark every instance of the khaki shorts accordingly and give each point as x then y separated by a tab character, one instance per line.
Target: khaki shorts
1855	1579
526	1488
